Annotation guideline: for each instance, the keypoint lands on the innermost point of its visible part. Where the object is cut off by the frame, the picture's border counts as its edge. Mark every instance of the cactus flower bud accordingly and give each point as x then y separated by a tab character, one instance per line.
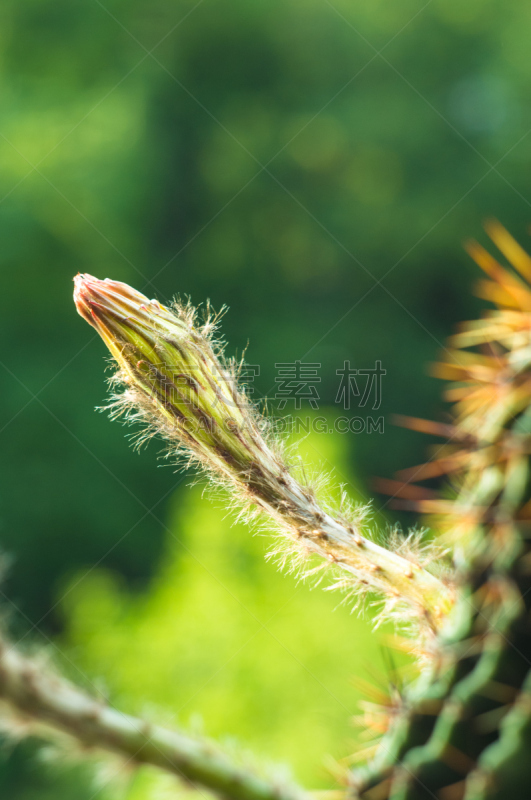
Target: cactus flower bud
177	381
171	367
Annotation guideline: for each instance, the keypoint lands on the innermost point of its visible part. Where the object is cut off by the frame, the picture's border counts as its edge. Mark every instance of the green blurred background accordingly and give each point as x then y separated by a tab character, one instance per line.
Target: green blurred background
315	166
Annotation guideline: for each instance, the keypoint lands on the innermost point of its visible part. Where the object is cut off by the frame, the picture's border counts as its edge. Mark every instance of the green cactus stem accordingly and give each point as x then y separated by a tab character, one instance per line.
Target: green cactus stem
45	702
456	734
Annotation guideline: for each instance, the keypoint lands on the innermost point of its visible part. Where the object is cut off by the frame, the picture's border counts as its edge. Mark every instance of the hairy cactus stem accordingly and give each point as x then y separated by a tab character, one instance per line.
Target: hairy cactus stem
179	384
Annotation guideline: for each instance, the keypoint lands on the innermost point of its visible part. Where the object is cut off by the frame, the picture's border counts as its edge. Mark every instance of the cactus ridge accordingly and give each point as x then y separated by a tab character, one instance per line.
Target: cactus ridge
463	728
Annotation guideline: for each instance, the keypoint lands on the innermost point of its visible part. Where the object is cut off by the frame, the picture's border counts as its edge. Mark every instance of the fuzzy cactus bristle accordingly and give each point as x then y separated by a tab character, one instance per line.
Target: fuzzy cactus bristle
175	379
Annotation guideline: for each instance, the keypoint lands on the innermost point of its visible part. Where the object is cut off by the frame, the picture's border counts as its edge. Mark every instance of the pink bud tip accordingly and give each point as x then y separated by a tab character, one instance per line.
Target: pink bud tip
84	285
